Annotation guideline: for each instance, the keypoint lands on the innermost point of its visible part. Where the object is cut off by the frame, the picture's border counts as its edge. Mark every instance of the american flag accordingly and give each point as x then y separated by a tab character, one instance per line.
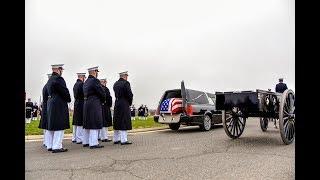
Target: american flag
171	105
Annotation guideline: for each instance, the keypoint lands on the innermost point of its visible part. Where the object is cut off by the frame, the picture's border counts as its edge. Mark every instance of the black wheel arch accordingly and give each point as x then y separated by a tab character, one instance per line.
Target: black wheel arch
209	113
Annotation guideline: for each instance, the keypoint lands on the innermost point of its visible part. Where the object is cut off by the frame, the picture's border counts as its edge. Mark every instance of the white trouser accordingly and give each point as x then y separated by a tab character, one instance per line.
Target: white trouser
116	136
93	137
55	139
123	136
49	138
79	134
74	129
85	136
44	138
120	135
28	120
103	133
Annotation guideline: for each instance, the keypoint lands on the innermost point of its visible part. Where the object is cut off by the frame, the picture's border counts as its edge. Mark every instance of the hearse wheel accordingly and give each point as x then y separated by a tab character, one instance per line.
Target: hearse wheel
287	116
206	126
233	125
174	126
264	123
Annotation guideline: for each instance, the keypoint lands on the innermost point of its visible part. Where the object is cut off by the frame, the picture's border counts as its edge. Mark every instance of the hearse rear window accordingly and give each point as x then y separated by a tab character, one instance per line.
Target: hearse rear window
173	94
197	97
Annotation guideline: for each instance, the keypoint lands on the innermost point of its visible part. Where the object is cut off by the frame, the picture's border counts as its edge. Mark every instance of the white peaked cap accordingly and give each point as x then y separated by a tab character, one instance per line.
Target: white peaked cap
93	68
57	65
124	73
81	74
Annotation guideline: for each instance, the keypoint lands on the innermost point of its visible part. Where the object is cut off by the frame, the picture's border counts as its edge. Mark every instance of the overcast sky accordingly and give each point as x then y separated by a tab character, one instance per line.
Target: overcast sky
213	45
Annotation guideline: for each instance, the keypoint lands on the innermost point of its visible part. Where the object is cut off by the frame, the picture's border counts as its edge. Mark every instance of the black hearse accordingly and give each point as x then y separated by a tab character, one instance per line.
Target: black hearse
198	109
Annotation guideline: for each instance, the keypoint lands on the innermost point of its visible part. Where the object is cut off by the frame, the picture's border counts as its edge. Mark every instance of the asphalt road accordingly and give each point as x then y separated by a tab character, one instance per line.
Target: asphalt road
186	154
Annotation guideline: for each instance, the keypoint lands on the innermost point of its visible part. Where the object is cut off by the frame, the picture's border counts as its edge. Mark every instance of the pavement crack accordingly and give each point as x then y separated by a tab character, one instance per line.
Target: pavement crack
71	177
56	169
194	155
133	174
221	152
228	147
113	163
112	169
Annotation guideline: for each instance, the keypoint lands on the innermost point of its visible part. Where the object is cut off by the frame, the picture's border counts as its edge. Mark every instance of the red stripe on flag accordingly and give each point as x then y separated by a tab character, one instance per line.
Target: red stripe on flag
176	106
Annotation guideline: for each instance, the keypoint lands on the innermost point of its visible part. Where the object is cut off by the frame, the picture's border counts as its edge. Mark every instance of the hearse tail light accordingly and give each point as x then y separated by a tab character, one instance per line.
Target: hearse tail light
189	110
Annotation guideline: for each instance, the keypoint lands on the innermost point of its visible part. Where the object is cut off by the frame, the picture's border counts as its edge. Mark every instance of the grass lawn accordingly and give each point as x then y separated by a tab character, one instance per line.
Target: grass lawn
32	128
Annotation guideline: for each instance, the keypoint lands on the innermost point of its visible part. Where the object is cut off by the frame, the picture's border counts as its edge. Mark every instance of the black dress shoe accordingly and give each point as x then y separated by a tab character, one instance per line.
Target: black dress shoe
79	143
106	140
99	139
50	149
96	146
74	141
86	145
116	142
126	143
59	150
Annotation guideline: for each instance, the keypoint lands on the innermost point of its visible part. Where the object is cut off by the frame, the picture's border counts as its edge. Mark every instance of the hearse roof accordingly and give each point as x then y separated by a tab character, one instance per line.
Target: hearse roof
210	94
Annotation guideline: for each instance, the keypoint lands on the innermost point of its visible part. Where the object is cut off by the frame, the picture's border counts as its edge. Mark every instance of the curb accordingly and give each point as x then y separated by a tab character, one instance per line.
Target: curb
35	137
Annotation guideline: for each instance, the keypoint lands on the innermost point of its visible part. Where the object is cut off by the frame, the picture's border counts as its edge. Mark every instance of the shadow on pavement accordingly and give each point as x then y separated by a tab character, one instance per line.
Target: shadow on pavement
191	129
257	141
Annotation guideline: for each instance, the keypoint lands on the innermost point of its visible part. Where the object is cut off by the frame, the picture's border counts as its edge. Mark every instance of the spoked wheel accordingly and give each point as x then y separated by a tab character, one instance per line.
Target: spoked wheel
287	116
264	123
233	125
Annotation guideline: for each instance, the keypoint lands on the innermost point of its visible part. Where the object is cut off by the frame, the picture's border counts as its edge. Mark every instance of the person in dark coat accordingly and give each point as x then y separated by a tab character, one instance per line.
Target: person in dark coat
35	111
94	96
77	119
40	110
146	112
106	113
141	112
281	87
57	109
43	120
29	110
121	117
133	112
